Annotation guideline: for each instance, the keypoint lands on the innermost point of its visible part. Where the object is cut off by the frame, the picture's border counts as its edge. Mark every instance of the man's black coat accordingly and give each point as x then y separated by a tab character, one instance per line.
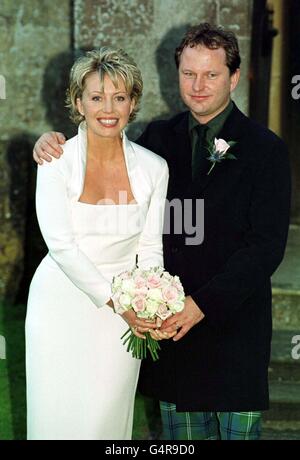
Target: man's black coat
222	362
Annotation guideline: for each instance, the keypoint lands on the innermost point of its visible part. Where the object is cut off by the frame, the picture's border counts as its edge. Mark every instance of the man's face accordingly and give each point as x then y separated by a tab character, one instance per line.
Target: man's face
205	82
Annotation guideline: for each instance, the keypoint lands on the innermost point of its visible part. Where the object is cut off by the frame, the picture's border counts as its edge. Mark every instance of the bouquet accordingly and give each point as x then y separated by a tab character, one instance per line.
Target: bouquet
152	294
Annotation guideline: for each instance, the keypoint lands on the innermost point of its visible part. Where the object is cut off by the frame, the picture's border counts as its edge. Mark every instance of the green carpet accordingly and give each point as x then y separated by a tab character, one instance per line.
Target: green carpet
12	374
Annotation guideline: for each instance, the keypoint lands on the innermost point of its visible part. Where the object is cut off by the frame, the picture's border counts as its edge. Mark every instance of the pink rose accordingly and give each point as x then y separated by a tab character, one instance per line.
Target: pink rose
221	146
162	309
139	282
163	312
170	294
153	281
138	303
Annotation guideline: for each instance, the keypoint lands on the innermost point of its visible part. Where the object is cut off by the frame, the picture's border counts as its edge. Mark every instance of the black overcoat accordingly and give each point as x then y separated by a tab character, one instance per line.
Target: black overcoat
222	362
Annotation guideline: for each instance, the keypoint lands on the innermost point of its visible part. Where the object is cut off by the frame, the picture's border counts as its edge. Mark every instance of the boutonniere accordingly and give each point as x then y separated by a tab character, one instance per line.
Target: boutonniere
218	151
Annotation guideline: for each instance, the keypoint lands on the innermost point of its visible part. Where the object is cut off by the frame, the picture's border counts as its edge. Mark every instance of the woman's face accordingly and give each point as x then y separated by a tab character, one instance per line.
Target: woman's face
106	111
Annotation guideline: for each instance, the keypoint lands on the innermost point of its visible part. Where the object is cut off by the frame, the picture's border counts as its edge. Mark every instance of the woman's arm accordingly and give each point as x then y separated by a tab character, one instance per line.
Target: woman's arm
54	216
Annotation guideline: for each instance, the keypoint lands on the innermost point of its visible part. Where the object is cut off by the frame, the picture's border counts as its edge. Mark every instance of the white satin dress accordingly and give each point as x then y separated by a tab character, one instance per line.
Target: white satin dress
81	381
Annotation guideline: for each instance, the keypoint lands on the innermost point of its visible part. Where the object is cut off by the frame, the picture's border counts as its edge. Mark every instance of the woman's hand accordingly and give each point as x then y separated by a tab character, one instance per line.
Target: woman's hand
157	334
138	325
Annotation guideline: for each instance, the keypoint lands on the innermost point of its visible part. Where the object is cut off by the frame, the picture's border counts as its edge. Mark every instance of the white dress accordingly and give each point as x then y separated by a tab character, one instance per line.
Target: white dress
81	381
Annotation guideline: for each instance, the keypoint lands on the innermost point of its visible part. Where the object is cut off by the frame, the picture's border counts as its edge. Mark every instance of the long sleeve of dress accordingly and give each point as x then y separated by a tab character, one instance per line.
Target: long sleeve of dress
54	217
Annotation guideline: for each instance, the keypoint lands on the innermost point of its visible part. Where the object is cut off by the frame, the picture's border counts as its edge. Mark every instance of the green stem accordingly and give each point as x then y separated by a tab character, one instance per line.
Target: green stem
211	168
127	332
138	347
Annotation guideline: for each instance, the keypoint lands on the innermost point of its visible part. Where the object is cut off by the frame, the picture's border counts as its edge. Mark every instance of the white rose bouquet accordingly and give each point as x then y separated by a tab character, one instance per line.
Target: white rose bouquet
152	294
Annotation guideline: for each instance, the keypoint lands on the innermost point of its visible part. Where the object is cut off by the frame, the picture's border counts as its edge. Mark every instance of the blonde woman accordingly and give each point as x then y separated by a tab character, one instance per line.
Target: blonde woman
97	208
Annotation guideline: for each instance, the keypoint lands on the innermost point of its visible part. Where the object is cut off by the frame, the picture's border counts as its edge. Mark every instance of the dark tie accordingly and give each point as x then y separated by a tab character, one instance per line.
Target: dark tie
200	153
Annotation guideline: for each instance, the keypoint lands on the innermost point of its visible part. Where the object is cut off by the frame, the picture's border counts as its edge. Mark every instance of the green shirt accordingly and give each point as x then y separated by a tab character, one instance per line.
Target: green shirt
214	126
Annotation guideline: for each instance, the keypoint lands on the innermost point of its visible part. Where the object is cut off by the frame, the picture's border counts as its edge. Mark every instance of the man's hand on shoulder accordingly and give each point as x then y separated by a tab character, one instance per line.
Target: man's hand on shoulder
47	146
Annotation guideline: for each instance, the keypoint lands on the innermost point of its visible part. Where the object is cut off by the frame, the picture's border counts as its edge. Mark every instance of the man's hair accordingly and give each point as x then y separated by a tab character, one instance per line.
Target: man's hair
212	37
114	63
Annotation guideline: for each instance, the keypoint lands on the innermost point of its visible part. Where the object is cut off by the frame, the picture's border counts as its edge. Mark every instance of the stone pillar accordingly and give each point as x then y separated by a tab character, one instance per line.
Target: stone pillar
278	61
149	30
33	34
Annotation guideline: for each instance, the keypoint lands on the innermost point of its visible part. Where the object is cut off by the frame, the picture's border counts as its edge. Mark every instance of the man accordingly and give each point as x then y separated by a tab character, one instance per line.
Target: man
212	377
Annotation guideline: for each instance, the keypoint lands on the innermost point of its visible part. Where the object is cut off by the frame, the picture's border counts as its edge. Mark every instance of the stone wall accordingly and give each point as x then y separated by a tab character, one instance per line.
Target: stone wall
32	35
37	43
149	30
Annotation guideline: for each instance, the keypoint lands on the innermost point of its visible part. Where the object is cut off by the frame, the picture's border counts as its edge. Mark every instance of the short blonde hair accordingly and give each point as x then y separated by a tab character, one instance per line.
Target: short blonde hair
106	61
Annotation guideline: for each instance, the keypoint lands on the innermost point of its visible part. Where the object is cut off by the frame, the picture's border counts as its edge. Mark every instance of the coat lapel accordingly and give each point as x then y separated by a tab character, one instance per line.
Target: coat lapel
181	154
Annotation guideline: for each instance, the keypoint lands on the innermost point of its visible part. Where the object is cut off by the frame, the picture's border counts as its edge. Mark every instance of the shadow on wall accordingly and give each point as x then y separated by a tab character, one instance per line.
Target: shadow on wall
168	79
55	84
22	171
31	247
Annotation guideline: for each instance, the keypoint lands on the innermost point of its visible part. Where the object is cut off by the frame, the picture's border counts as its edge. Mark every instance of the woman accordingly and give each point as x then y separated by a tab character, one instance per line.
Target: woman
96	207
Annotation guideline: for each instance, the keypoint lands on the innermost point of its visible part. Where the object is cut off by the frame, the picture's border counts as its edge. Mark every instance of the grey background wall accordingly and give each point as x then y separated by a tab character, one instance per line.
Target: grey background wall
38	42
31	34
150	30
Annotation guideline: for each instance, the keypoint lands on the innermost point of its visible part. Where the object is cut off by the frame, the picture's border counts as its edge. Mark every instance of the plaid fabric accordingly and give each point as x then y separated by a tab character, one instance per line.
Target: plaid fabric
209	425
